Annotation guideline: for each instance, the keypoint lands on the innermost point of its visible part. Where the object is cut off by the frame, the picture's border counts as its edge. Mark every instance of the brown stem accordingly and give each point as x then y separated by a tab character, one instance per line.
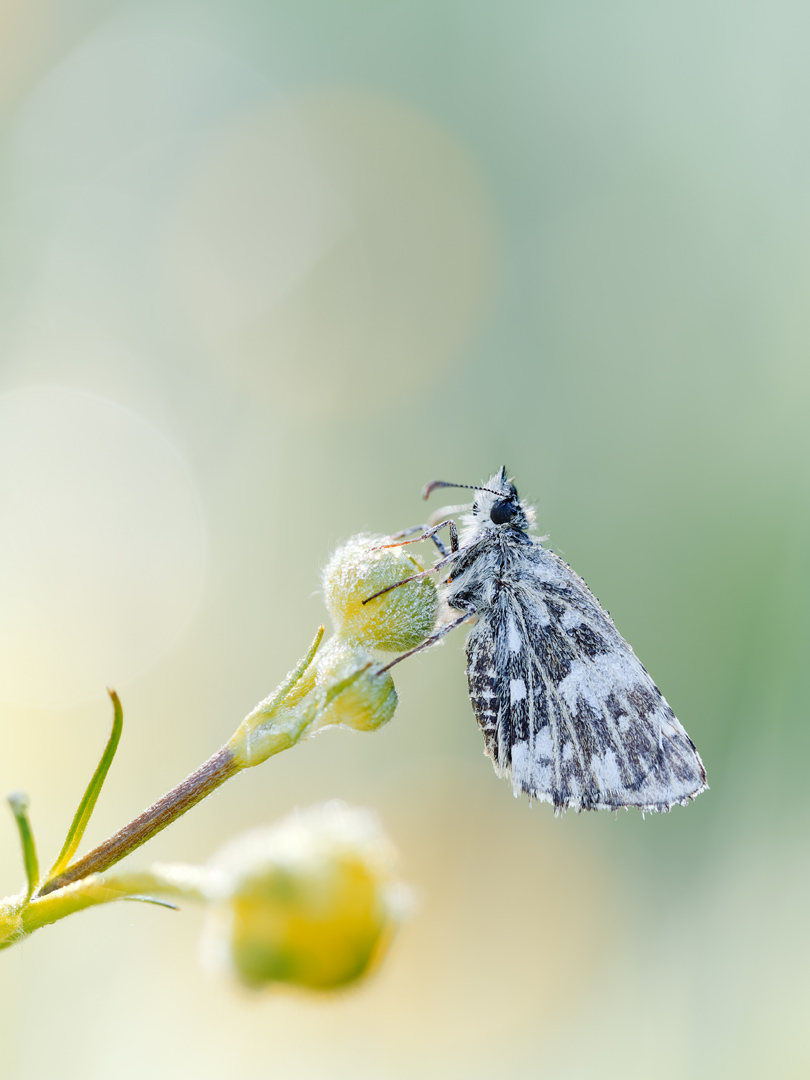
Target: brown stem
219	768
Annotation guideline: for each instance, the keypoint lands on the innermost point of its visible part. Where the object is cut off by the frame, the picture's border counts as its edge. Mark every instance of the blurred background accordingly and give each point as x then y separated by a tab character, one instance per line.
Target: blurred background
265	269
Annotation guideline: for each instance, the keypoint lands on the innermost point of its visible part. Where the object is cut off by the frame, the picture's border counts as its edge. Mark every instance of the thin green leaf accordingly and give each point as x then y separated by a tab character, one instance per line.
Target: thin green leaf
152	900
88	803
19	808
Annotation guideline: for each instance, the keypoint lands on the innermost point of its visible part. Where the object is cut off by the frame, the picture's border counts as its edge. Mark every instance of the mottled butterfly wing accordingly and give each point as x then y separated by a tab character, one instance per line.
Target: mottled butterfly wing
566	708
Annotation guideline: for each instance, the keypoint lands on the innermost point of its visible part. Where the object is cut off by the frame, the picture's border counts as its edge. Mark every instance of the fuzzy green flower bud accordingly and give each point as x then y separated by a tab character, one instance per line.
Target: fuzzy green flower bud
309	902
394	622
368	699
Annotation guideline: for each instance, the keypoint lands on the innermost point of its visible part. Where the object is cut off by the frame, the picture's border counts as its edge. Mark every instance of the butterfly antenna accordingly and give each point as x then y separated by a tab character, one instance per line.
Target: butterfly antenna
428	488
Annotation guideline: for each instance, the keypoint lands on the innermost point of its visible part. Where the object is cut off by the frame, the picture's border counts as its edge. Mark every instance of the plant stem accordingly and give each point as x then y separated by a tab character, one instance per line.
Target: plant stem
219	768
279	729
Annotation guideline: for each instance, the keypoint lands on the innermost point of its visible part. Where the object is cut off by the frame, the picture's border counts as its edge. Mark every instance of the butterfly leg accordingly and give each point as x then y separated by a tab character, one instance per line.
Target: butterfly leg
436	566
433	638
428	534
396	585
420	529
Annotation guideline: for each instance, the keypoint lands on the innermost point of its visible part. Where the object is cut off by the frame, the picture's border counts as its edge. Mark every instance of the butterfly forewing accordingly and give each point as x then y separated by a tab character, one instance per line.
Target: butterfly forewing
566	708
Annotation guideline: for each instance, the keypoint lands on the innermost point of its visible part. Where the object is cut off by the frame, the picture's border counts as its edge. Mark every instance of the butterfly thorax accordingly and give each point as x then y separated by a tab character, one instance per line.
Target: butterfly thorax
491	560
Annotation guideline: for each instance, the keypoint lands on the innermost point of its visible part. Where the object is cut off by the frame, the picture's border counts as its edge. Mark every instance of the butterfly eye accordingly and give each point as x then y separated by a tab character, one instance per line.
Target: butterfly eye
502	512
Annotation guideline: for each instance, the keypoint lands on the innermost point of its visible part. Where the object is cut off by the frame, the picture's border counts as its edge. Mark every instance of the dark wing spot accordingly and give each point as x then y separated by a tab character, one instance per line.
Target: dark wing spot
588	641
642	700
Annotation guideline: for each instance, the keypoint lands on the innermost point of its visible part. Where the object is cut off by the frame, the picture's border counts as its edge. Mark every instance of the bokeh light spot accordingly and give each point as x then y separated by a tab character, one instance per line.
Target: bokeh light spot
332	246
102	546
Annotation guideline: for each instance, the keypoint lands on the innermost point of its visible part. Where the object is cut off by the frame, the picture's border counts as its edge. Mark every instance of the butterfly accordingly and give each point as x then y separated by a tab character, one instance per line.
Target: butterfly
567	710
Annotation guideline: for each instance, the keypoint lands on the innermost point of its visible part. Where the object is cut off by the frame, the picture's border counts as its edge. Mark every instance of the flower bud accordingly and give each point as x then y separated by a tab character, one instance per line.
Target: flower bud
308	902
367	701
394	622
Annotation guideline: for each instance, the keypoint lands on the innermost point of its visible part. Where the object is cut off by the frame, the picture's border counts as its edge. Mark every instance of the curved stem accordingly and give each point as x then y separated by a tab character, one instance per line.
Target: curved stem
81	894
177	881
219	768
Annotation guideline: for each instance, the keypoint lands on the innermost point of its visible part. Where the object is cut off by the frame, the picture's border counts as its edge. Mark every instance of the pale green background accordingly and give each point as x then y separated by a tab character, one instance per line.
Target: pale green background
304	257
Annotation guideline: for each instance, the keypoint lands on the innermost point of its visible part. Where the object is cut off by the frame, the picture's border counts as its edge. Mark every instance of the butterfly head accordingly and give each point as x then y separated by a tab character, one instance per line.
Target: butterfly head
496	504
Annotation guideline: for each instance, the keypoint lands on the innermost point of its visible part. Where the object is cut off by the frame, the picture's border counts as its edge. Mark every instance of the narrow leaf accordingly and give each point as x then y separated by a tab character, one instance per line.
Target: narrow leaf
19	808
152	900
292	677
88	803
